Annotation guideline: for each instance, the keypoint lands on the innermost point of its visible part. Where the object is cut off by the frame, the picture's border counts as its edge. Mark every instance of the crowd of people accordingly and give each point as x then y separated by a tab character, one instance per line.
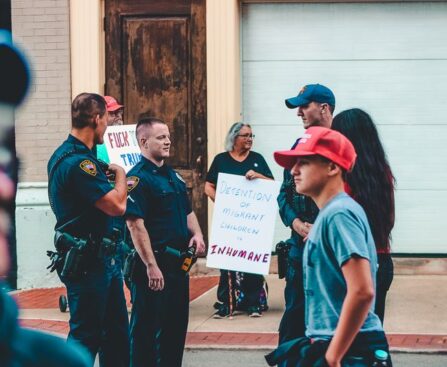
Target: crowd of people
340	266
337	197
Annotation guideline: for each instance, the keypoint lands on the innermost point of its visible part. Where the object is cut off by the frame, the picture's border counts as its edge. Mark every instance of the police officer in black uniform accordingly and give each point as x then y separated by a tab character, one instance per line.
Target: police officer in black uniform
315	104
84	202
159	218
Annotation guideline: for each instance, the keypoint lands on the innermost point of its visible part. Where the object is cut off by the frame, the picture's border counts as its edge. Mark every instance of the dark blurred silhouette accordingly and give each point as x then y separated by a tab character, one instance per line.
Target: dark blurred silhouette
19	347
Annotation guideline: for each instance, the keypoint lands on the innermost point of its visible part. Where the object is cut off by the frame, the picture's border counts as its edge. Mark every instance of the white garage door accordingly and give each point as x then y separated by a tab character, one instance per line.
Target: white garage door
388	59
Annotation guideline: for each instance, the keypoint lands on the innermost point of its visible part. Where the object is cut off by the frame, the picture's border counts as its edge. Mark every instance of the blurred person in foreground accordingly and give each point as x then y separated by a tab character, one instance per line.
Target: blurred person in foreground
20	347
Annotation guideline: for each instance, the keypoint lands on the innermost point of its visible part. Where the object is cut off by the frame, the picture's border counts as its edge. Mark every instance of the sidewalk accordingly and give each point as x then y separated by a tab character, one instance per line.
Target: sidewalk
416	316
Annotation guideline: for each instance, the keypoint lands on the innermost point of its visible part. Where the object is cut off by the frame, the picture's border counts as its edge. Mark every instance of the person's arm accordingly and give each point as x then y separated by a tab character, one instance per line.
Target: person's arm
211	177
114	202
359	295
210	190
142	243
262	171
286	212
197	236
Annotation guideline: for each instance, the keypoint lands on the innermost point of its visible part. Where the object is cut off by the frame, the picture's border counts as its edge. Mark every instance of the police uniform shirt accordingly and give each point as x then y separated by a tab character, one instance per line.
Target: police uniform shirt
158	195
76	184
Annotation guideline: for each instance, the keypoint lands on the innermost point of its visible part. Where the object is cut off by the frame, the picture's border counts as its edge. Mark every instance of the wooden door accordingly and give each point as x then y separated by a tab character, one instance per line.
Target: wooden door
156	64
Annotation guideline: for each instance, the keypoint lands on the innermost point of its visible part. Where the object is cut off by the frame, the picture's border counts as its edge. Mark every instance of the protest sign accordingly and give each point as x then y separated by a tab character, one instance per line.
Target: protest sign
121	145
243	224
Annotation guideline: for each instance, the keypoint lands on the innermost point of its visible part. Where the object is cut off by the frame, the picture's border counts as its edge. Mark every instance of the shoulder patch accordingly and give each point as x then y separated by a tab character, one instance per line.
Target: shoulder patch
180	177
88	166
132	182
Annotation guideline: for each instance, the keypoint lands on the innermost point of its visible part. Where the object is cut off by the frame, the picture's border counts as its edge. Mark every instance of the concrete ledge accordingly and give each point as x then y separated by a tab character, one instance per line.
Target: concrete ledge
34	232
420	266
402	266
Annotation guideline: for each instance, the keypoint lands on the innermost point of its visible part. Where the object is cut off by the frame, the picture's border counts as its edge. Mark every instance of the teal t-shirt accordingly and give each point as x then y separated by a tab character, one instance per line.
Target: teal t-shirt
101	153
340	232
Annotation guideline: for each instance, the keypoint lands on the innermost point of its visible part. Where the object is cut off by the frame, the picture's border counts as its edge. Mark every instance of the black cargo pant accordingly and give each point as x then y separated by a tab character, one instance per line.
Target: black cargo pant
159	321
292	323
384	278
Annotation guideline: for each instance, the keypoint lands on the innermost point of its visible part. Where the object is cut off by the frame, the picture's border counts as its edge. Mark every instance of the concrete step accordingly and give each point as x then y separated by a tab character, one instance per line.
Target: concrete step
402	266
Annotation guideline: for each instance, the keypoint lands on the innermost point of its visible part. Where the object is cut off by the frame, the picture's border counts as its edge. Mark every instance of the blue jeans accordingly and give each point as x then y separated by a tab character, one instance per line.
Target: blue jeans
98	312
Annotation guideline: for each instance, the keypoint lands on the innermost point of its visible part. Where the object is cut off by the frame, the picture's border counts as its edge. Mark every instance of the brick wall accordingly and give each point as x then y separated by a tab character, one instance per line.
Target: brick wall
41	28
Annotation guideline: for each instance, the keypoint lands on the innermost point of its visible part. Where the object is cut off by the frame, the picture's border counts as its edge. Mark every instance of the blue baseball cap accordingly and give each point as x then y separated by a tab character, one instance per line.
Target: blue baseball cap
312	93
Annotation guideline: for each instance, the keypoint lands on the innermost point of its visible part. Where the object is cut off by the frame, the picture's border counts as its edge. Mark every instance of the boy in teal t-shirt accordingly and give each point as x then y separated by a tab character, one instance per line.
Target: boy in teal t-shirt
340	262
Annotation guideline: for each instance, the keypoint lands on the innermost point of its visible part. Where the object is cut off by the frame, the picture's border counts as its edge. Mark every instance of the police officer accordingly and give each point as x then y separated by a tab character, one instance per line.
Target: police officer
84	202
316	104
159	217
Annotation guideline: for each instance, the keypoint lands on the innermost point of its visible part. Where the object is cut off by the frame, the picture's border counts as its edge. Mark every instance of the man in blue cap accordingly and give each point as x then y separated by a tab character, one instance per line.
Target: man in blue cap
315	104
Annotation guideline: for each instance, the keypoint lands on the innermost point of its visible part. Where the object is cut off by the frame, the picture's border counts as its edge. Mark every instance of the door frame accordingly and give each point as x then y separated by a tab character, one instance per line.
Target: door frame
223	80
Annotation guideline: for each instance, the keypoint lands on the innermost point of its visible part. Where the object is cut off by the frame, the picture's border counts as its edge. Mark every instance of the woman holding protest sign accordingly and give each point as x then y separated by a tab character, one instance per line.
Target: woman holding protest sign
238	290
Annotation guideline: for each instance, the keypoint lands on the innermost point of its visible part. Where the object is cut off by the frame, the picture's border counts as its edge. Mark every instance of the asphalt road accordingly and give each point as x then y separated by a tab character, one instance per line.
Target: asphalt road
255	358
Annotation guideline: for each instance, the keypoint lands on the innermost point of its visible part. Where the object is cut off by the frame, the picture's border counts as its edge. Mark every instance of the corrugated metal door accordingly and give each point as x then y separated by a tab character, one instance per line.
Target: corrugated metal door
389	59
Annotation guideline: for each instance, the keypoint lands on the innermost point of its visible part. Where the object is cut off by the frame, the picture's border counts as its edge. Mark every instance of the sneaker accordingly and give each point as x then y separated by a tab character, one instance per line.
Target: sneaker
254	312
222	312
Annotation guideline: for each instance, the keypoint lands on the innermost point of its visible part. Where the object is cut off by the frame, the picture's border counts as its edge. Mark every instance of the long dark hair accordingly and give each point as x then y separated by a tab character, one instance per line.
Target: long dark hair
371	181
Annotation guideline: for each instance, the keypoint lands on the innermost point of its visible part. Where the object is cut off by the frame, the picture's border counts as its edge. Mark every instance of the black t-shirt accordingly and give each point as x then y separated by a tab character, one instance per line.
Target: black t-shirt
224	162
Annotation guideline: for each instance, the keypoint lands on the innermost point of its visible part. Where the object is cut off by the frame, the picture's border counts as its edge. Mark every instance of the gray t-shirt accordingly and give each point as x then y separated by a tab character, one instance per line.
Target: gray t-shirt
340	232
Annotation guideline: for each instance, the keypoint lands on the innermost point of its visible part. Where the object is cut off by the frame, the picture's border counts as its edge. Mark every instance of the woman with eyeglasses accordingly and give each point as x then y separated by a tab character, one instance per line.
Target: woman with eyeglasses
247	290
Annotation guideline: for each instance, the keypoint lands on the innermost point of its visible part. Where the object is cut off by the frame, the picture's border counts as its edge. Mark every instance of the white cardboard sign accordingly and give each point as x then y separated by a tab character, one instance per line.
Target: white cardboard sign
122	147
243	224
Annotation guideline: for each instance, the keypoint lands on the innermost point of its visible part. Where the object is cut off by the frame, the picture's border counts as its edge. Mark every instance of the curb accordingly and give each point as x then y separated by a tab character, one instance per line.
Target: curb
199	339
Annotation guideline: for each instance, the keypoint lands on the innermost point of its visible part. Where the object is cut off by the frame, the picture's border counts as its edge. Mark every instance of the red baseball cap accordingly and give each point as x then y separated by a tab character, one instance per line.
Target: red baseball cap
322	141
112	104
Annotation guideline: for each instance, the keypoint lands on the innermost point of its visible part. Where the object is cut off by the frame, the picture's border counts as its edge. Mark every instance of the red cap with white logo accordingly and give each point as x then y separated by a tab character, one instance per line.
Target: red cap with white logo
322	141
112	104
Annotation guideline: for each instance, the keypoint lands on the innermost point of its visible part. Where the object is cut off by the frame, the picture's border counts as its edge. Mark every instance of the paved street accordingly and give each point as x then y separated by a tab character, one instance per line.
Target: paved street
252	358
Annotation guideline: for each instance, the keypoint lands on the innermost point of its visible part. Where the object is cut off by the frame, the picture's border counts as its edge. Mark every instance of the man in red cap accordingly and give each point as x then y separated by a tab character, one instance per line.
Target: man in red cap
339	261
115	111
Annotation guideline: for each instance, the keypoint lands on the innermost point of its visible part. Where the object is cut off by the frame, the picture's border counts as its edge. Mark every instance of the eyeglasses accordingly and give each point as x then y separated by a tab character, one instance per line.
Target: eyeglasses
246	136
